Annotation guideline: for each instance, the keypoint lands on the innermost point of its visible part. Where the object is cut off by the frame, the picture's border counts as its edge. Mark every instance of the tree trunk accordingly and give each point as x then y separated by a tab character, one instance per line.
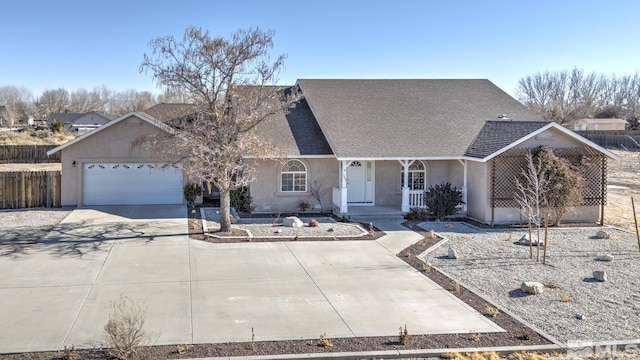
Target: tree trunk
225	211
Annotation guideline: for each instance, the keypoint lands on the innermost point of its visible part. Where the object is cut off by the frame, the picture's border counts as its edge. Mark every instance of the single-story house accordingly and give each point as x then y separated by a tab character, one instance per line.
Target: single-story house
352	144
599	124
81	122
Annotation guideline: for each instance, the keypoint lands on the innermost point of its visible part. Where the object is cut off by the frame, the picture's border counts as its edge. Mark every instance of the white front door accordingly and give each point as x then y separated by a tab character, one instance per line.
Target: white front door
360	182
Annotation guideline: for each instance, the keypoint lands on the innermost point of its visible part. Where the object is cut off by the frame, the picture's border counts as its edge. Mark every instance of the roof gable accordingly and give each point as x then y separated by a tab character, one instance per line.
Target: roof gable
406	118
97	131
496	135
561	129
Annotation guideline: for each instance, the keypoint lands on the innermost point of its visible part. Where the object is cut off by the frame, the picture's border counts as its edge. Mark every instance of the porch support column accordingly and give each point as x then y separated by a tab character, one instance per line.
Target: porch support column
344	165
464	184
405	185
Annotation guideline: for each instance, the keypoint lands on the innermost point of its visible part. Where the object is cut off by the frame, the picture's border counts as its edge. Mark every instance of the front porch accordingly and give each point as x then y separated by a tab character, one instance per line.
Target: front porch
368	187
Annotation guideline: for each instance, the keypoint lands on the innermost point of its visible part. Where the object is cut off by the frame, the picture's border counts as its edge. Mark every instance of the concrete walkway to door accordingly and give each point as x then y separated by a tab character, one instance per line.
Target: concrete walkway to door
58	292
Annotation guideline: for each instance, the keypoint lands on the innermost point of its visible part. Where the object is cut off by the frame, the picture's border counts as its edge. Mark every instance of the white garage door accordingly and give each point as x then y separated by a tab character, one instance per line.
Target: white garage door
131	184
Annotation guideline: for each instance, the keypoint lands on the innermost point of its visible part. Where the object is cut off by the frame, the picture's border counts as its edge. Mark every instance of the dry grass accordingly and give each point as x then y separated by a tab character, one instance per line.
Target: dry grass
564	298
324	341
456	287
623	184
31	137
492	355
490	311
125	332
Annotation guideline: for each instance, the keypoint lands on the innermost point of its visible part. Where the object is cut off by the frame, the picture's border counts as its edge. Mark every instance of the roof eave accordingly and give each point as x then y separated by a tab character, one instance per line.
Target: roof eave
109	124
561	129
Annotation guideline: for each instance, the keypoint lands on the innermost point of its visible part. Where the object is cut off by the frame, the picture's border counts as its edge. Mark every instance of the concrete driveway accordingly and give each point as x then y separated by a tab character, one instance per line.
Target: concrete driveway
58	292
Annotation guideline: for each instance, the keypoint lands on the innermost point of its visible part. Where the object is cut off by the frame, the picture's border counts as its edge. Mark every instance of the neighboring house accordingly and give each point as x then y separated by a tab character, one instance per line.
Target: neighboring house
600	124
359	144
81	122
22	119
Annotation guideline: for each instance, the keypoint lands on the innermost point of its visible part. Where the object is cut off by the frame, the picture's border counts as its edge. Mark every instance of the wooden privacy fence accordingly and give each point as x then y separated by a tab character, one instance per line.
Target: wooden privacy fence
27	154
28	189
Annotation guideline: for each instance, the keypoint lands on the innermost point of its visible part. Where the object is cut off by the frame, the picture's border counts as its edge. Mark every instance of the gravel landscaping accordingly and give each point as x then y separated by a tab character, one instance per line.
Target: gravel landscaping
21	228
272	228
492	265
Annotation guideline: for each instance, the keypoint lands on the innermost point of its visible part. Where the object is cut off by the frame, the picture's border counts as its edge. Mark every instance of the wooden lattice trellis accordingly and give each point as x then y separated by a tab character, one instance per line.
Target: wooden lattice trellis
505	167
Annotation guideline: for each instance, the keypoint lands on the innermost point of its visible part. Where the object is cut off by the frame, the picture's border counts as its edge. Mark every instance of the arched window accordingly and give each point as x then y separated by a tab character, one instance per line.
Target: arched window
293	177
417	176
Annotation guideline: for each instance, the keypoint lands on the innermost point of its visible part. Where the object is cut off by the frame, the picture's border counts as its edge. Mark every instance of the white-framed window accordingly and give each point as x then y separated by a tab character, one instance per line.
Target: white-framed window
293	177
417	176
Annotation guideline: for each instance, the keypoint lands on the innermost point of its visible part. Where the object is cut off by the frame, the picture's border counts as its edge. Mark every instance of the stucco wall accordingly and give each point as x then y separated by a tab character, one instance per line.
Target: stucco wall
112	144
387	184
478	186
267	197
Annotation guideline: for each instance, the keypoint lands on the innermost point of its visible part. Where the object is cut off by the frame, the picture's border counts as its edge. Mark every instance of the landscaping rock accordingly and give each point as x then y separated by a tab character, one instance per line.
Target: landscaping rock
580	317
531	287
607	258
600	275
524	240
452	253
601	234
292	221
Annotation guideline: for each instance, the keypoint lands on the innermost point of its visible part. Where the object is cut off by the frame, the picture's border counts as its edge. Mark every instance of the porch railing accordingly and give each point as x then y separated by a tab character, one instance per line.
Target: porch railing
336	197
416	198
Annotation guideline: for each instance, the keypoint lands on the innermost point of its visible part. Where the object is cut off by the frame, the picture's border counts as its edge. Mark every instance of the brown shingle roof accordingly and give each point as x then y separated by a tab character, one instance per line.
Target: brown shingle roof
407	118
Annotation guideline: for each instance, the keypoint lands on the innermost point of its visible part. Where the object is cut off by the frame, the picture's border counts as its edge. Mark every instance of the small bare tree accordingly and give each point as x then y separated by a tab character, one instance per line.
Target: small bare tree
530	186
231	83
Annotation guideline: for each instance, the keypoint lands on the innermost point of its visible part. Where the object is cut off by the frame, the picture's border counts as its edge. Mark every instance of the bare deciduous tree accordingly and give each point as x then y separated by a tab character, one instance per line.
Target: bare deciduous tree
566	96
82	101
53	101
231	83
530	186
18	102
123	102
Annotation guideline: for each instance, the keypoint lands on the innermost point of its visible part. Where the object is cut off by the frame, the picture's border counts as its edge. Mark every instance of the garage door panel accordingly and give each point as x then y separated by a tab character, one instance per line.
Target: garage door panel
131	183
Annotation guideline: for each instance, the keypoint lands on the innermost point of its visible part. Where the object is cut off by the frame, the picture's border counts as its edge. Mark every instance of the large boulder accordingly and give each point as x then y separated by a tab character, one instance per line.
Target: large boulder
607	258
532	287
600	275
452	253
601	234
524	240
292	221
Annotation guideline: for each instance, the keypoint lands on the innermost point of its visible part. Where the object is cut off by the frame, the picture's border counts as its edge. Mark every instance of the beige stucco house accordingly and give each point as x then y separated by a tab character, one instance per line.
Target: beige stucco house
599	124
352	145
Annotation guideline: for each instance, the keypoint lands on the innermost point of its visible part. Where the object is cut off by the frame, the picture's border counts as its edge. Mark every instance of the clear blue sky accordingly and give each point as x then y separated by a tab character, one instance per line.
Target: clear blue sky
83	44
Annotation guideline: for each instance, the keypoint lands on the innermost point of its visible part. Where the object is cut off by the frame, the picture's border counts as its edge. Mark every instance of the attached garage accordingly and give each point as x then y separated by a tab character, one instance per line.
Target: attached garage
102	167
131	183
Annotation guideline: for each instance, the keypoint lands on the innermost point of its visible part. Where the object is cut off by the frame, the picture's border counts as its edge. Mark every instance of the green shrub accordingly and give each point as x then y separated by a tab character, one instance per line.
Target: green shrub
56	126
442	200
241	200
191	192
